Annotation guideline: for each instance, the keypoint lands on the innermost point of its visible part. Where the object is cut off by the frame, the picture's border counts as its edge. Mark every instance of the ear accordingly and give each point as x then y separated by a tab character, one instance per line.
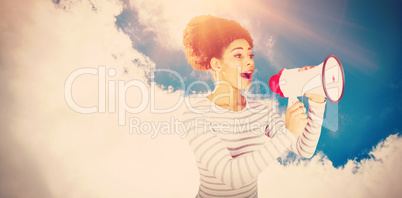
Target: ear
215	64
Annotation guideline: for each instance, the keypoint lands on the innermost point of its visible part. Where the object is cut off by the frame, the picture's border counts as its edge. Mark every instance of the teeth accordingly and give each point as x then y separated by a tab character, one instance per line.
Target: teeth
246	74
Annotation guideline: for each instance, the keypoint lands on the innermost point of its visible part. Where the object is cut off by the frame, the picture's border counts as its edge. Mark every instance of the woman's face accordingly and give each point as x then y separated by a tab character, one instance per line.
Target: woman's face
237	65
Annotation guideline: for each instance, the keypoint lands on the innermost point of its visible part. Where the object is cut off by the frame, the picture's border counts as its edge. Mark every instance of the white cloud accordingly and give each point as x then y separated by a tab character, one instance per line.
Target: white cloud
74	154
378	176
49	150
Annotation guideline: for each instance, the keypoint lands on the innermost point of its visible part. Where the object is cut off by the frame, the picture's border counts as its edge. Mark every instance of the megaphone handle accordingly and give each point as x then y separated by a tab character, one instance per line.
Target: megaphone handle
291	101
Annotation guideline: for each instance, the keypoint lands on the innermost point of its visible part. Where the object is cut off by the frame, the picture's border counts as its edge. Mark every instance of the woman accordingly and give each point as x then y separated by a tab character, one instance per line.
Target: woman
235	138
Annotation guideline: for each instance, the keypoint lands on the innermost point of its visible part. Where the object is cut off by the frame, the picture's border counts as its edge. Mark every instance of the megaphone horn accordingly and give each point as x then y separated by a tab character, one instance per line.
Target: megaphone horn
326	79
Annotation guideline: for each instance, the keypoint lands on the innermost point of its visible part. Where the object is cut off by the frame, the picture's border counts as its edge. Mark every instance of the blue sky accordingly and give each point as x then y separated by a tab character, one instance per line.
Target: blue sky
364	35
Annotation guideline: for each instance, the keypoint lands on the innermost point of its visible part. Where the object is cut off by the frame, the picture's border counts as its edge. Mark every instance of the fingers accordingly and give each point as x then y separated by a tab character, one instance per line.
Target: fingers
296	118
295	106
308	95
315	97
303	68
302	117
306	68
299	110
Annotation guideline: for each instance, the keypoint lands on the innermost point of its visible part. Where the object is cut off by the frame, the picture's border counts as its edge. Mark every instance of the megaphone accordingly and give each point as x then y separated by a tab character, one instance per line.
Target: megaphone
326	79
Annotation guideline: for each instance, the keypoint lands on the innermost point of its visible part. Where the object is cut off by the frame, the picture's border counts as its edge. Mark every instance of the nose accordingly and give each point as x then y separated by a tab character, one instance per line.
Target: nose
250	61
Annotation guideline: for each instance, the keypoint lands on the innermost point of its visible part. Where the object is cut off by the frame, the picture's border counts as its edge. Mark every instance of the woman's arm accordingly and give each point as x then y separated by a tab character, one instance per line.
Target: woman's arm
212	154
307	139
306	143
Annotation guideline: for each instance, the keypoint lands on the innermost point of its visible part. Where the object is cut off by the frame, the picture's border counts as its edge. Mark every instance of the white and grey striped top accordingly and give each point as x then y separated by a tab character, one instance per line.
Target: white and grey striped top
231	148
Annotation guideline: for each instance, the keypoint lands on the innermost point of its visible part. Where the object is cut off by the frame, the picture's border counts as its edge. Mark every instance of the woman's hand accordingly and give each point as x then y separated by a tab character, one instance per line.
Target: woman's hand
296	118
305	68
314	97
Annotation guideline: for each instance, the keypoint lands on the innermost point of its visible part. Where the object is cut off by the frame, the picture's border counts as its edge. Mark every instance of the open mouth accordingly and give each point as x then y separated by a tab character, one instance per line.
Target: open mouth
247	75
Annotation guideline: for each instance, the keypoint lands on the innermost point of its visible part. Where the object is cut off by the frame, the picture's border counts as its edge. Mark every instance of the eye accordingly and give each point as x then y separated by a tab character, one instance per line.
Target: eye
238	55
251	56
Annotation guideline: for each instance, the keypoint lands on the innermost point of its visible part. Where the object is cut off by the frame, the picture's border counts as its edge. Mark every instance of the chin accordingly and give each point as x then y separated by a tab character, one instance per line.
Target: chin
246	87
243	85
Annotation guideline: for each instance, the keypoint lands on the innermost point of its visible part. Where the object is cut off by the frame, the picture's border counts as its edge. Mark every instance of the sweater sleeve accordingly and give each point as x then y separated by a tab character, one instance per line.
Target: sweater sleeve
306	143
212	155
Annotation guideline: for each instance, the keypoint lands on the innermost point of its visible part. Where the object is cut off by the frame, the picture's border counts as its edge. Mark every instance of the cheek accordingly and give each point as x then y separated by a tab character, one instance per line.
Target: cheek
232	67
231	71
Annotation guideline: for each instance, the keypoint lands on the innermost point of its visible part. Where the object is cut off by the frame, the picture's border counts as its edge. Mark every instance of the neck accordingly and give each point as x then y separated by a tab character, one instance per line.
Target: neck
227	97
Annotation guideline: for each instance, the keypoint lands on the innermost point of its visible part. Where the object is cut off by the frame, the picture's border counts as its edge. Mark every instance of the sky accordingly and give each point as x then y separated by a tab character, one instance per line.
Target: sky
289	34
57	56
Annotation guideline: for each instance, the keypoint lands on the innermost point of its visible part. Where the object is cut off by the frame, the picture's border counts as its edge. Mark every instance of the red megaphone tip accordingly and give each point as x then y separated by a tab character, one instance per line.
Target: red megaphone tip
274	83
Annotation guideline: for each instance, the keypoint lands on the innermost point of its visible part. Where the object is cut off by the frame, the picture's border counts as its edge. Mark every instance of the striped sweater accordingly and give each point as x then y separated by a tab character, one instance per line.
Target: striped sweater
232	148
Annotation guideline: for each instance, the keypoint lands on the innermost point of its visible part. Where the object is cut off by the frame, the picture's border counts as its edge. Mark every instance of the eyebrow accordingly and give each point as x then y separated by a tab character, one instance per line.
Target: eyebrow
239	48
